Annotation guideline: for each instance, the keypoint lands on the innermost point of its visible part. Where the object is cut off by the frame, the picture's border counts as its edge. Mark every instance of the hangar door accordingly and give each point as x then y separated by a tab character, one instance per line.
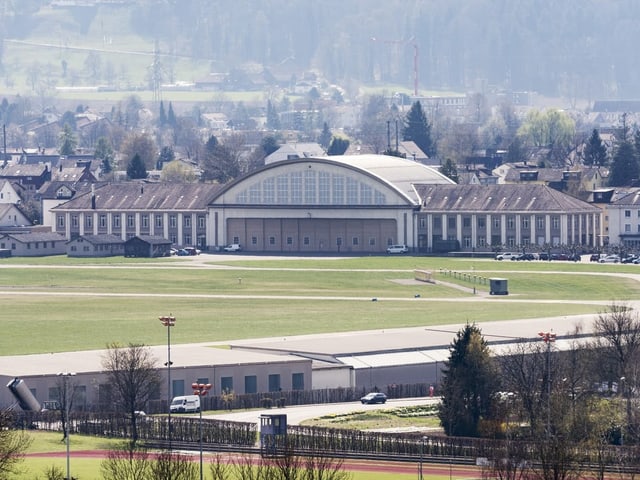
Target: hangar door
312	235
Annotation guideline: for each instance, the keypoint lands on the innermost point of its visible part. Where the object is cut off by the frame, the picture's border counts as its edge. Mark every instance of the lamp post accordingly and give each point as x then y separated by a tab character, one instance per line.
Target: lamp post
622	419
168	322
67	404
548	338
200	389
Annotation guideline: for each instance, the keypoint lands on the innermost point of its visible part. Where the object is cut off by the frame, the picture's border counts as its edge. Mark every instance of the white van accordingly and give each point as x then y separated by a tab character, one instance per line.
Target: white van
397	249
185	404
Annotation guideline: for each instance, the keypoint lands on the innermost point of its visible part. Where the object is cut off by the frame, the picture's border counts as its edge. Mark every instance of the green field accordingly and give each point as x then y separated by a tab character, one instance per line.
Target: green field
58	304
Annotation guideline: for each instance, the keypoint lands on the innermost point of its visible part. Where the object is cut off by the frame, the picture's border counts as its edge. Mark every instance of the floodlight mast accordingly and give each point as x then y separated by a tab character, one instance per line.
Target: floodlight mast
168	321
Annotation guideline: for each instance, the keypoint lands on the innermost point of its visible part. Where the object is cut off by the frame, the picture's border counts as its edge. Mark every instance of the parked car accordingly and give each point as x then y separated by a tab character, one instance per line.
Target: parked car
524	256
182	253
544	256
629	259
192	250
610	259
506	256
374	397
595	257
397	249
234	247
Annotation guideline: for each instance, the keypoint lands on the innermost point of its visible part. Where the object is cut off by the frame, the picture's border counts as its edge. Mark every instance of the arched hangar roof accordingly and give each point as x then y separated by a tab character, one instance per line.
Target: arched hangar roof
384	174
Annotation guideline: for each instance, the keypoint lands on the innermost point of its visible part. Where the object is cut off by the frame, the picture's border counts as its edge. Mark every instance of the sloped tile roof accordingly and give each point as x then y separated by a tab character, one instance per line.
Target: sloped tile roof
104	239
140	197
37	237
499	198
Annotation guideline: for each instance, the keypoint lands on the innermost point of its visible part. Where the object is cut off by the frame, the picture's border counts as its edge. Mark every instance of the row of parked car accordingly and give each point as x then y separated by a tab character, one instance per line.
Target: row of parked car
615	258
574	257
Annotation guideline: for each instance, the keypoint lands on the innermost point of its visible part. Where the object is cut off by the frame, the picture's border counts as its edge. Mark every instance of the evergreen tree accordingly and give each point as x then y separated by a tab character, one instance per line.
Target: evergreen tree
269	144
68	141
136	168
449	169
595	153
468	384
338	146
162	117
273	120
325	137
166	155
171	117
104	153
624	166
417	129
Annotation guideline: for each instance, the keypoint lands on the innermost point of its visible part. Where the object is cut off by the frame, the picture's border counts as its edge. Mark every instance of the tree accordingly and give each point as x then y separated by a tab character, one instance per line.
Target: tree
162	115
595	153
13	444
68	141
177	172
144	146
126	462
624	166
166	155
136	168
373	126
468	384
338	146
553	129
450	170
104	153
220	163
273	120
325	136
417	129
134	378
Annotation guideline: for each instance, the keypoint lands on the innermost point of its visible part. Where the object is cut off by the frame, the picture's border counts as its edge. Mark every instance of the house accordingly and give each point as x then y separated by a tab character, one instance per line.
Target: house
36	244
12	216
31	177
147	246
10	192
623	213
95	246
54	193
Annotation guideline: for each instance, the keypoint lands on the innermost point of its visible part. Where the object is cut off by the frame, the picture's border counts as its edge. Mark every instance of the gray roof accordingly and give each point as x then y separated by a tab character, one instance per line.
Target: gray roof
628	197
105	239
146	196
499	198
34	170
37	237
151	239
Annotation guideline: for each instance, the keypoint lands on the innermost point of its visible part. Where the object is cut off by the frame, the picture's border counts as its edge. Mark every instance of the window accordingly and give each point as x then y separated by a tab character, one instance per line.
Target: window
339	241
103	221
481	241
423	223
158	221
173	223
88	221
296	188
177	386
511	242
186	221
297	381
496	222
74	221
202	221
372	241
145	221
274	382
481	222
236	240
254	240
355	241
627	227
289	240
525	222
310	186
250	384
511	222
467	242
60	221
555	222
306	241
116	221
627	214
131	221
324	188
437	222
338	190
540	222
452	222
466	222
187	239
272	240
226	384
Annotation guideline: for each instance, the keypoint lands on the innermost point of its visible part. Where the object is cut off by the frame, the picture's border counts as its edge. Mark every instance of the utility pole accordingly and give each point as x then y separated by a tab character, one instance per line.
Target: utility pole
548	338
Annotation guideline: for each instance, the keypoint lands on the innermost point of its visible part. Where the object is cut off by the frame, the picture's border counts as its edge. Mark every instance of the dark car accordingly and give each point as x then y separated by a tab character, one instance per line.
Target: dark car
543	256
524	256
374	397
595	257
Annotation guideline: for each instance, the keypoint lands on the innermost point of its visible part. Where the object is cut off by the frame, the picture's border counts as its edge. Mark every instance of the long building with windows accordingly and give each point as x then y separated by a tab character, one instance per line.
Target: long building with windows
340	204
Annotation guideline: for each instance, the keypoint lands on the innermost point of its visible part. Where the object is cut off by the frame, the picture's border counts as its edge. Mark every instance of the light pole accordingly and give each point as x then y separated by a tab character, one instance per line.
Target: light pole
622	419
67	404
200	389
168	322
548	338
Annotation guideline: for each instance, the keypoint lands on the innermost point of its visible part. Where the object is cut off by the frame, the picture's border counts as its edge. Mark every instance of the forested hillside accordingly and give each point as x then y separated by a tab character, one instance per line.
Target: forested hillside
576	48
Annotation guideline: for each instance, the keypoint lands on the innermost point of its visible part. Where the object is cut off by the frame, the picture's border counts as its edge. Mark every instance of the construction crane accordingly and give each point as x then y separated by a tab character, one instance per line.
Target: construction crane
411	42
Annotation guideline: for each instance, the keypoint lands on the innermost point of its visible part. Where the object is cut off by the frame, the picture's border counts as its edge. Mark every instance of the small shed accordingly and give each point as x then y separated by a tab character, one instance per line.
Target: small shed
498	286
147	246
273	435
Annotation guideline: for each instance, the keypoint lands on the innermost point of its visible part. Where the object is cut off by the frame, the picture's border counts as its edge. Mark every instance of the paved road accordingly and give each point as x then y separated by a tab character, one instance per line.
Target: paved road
297	414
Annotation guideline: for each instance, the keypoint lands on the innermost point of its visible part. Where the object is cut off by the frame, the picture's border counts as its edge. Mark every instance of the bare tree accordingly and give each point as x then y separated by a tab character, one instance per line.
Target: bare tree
126	462
134	378
13	444
319	467
173	466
